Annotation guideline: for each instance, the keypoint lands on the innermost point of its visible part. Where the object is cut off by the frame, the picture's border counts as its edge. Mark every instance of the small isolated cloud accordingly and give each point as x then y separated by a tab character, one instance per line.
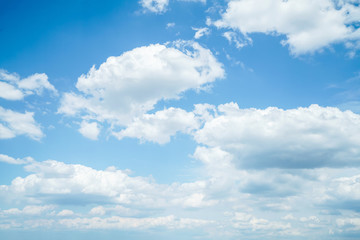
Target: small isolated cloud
14	88
17	161
307	25
156	6
125	87
201	32
170	25
89	130
232	37
14	123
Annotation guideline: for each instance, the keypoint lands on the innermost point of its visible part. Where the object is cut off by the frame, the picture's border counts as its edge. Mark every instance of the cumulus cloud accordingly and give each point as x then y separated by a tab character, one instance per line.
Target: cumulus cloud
59	183
308	25
14	123
14	88
28	210
296	138
128	86
160	126
11	160
89	130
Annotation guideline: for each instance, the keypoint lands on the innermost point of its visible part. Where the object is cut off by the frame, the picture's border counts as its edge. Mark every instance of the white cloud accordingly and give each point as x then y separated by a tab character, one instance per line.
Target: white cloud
349	224
89	130
201	32
244	220
156	6
28	210
232	37
65	213
36	83
116	210
295	138
56	182
170	25
308	25
128	86
116	222
158	127
161	6
9	92
11	160
14	88
14	123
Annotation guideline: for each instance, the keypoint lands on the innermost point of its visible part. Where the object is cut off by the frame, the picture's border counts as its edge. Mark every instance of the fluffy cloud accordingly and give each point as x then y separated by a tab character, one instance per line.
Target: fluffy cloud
14	123
11	160
308	25
201	32
28	210
226	194
59	183
128	86
14	88
89	130
295	138
158	127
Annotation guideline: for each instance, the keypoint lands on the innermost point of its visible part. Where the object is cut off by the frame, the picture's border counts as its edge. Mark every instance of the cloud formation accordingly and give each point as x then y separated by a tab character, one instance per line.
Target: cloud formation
14	88
14	123
308	25
128	86
274	138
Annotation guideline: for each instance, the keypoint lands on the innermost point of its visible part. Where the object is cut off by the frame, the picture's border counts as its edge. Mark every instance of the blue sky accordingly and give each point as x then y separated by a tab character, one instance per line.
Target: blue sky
175	119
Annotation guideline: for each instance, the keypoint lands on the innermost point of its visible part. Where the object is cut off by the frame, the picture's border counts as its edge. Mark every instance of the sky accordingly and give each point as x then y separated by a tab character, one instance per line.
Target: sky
180	119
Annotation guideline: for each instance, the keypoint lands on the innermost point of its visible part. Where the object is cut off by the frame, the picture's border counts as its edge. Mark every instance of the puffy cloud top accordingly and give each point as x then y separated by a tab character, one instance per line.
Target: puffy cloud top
308	25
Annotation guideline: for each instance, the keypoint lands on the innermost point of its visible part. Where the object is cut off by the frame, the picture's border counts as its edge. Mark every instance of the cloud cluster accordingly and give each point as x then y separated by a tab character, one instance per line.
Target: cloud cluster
308	25
14	88
261	203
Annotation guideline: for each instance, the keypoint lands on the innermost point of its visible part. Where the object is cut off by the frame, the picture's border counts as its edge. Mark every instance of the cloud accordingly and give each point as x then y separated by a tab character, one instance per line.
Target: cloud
11	160
59	183
14	88
308	25
309	137
89	130
116	222
170	25
160	126
65	213
161	6
14	123
201	32
232	37
28	210
156	6
128	86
